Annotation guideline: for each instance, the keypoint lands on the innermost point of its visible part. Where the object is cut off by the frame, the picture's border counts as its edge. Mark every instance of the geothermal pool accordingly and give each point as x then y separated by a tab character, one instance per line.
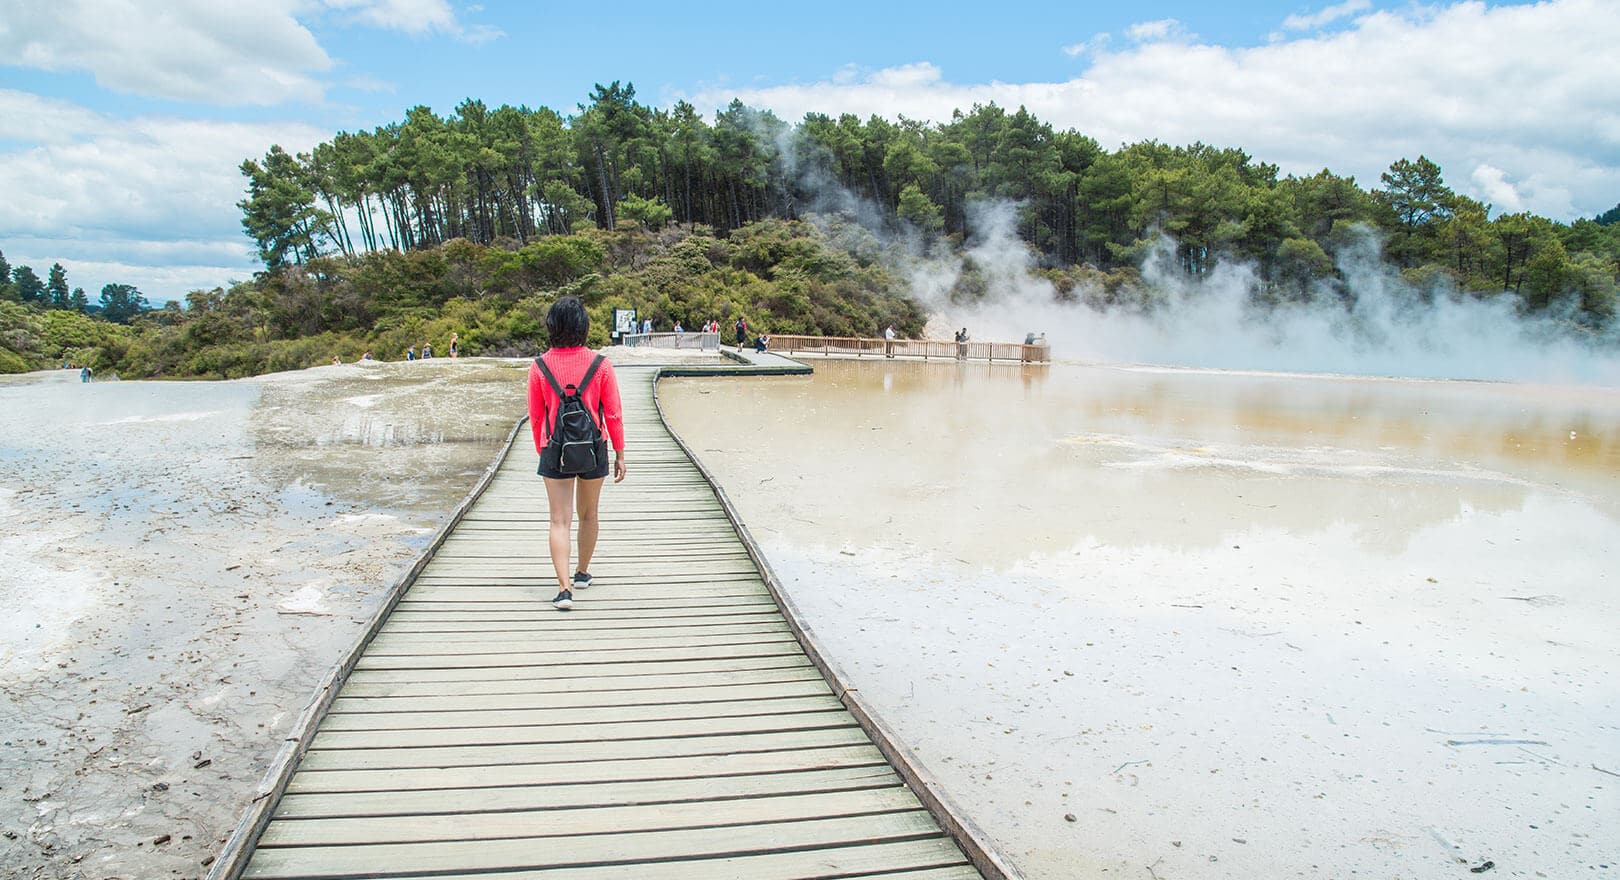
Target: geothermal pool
1214	624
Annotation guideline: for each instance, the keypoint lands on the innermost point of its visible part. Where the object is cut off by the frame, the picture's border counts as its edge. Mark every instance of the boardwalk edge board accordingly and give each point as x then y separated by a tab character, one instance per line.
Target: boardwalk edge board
975	844
238	849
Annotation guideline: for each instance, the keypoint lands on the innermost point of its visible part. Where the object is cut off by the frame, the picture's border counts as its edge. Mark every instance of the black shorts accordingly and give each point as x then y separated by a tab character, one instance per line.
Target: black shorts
597	474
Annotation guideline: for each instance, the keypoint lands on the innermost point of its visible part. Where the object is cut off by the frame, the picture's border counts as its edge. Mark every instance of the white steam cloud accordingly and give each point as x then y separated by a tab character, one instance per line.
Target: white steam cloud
1390	328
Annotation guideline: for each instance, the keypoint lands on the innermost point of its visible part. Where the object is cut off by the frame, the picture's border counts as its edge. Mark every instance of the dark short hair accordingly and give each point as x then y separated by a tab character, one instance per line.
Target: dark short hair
567	324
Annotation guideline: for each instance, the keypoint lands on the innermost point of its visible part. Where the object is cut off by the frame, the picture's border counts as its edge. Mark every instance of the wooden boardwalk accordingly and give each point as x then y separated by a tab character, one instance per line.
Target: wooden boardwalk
671	725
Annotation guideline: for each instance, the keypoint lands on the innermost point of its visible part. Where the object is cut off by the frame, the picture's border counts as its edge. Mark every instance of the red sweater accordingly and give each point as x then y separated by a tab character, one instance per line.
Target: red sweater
601	397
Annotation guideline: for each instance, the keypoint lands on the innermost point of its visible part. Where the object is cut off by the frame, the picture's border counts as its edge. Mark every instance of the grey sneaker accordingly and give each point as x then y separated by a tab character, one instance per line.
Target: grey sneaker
564	600
581	580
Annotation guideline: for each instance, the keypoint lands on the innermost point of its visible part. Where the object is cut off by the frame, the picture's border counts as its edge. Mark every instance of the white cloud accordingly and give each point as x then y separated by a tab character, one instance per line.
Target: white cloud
148	197
1157	31
1527	89
258	53
1493	185
414	17
190	50
1325	16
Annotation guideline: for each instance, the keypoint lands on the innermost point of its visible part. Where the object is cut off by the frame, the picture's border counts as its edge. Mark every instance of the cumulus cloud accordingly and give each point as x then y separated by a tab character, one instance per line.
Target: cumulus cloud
253	54
189	50
1527	89
130	195
1493	185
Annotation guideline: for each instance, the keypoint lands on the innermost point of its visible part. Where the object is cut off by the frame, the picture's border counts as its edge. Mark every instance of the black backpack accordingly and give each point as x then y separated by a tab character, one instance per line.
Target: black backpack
576	445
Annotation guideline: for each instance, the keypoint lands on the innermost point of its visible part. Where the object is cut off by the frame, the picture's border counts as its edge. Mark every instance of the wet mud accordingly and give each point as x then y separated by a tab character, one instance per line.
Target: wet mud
1209	624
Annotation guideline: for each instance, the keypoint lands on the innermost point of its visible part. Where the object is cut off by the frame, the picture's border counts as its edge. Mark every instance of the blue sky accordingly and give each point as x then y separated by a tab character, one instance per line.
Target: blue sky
122	121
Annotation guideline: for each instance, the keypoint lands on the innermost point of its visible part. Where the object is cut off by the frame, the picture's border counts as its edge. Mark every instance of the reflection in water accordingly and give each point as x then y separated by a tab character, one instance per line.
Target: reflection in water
1002	461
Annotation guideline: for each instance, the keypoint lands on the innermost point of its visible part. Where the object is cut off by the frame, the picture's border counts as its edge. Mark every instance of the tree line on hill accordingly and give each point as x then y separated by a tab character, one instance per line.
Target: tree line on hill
509	175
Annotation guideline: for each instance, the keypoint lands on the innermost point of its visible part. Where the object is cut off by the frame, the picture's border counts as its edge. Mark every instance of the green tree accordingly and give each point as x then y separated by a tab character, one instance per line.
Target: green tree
57	295
650	213
29	288
8	290
919	210
1415	197
78	302
279	213
120	302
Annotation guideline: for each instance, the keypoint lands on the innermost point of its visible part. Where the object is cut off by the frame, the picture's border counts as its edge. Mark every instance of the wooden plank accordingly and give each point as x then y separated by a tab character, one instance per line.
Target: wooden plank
626	849
561	674
882	861
390	719
637	818
425	759
771	754
575	658
683	790
462	702
378	685
593	624
579	732
432	645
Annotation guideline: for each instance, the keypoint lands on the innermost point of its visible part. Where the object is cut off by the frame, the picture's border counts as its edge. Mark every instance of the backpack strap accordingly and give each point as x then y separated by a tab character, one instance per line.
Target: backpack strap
546	371
590	373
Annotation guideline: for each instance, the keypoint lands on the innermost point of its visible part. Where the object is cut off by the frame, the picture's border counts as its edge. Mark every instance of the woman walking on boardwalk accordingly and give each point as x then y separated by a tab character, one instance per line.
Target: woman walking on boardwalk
572	365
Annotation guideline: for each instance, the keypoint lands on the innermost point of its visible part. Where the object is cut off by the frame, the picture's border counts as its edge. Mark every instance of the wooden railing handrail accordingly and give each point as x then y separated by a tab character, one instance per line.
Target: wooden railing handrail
861	346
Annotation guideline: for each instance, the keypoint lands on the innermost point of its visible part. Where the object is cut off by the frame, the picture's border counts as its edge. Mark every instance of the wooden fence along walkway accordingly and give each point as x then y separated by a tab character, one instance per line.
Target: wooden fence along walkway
856	346
671	725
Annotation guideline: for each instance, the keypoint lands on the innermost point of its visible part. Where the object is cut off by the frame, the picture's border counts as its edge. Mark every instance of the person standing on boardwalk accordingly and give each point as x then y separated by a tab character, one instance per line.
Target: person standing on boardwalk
578	370
742	330
888	341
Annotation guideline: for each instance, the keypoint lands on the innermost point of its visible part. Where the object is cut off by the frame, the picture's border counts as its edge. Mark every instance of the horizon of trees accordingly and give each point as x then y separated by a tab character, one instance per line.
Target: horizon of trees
21	284
506	176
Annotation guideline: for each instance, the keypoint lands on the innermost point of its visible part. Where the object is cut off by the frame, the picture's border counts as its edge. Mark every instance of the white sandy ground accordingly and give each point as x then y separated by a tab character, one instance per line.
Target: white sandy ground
1208	625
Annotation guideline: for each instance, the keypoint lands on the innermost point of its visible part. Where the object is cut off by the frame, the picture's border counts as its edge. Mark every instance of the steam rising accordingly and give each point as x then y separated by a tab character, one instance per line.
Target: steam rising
1389	328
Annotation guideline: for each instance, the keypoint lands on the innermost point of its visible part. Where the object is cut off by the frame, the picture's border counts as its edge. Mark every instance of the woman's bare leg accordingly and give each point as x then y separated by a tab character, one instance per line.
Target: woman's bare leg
589	495
560	504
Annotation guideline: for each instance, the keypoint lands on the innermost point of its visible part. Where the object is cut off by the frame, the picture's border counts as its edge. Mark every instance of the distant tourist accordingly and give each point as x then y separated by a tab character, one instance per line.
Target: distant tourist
336	360
574	480
742	330
646	326
1029	338
427	350
410	353
84	374
761	342
366	356
678	328
961	344
888	341
455	345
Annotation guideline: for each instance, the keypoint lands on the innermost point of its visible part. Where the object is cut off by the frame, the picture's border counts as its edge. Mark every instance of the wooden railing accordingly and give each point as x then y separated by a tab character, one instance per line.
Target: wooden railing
692	339
856	346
